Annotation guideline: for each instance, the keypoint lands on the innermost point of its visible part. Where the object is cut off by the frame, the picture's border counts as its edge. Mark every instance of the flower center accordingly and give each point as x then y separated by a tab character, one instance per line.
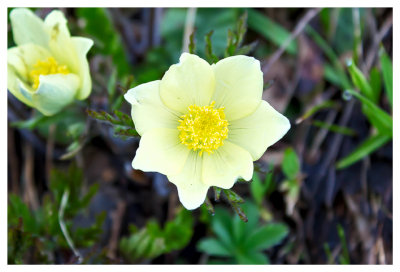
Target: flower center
48	66
203	128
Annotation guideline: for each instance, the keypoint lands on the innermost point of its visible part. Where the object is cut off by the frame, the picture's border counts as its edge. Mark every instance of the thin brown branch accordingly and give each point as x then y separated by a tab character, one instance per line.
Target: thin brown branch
30	194
49	151
116	217
13	161
297	30
372	53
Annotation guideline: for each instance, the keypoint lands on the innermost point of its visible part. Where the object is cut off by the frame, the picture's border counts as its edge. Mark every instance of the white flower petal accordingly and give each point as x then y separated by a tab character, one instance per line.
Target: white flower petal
82	46
60	43
55	92
161	151
226	165
13	85
24	57
238	86
148	111
28	28
189	82
258	131
191	190
20	61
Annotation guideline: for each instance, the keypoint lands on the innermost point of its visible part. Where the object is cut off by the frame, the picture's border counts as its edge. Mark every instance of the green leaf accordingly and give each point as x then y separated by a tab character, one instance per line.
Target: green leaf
178	232
238	210
232	196
360	81
252	258
344	256
99	26
210	56
213	247
217	193
334	128
266	237
329	104
18	209
375	82
367	147
270	30
290	163
111	85
207	19
192	44
341	78
209	206
257	189
378	117
387	71
222	227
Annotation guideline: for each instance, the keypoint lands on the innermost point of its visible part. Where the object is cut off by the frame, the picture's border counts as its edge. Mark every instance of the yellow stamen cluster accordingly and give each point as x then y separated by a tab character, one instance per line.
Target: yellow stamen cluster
48	66
203	128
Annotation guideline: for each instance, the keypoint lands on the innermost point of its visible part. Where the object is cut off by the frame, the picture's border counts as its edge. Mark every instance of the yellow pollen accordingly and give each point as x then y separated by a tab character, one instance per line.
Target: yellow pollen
203	128
48	66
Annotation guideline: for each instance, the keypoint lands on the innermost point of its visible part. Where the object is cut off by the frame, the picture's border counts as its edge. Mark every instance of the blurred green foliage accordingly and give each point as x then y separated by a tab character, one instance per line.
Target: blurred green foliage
369	96
106	38
239	242
260	189
291	184
270	30
38	231
152	241
207	19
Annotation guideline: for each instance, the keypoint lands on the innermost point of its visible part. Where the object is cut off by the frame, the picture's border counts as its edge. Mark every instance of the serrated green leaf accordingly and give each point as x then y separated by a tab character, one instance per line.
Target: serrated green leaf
210	208
192	44
290	163
367	147
222	227
213	247
252	258
387	72
210	56
266	237
232	196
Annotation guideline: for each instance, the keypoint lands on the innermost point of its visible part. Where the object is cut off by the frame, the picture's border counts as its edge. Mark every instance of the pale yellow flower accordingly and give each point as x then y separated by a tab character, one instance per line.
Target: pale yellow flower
203	125
48	68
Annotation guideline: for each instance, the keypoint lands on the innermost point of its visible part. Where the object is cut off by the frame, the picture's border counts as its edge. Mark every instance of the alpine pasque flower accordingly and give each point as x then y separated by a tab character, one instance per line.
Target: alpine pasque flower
203	125
48	68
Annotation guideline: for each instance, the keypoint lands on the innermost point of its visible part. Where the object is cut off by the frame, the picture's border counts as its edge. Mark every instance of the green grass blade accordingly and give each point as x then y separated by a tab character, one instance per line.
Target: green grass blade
360	81
378	117
331	55
375	82
335	128
367	147
387	71
270	30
